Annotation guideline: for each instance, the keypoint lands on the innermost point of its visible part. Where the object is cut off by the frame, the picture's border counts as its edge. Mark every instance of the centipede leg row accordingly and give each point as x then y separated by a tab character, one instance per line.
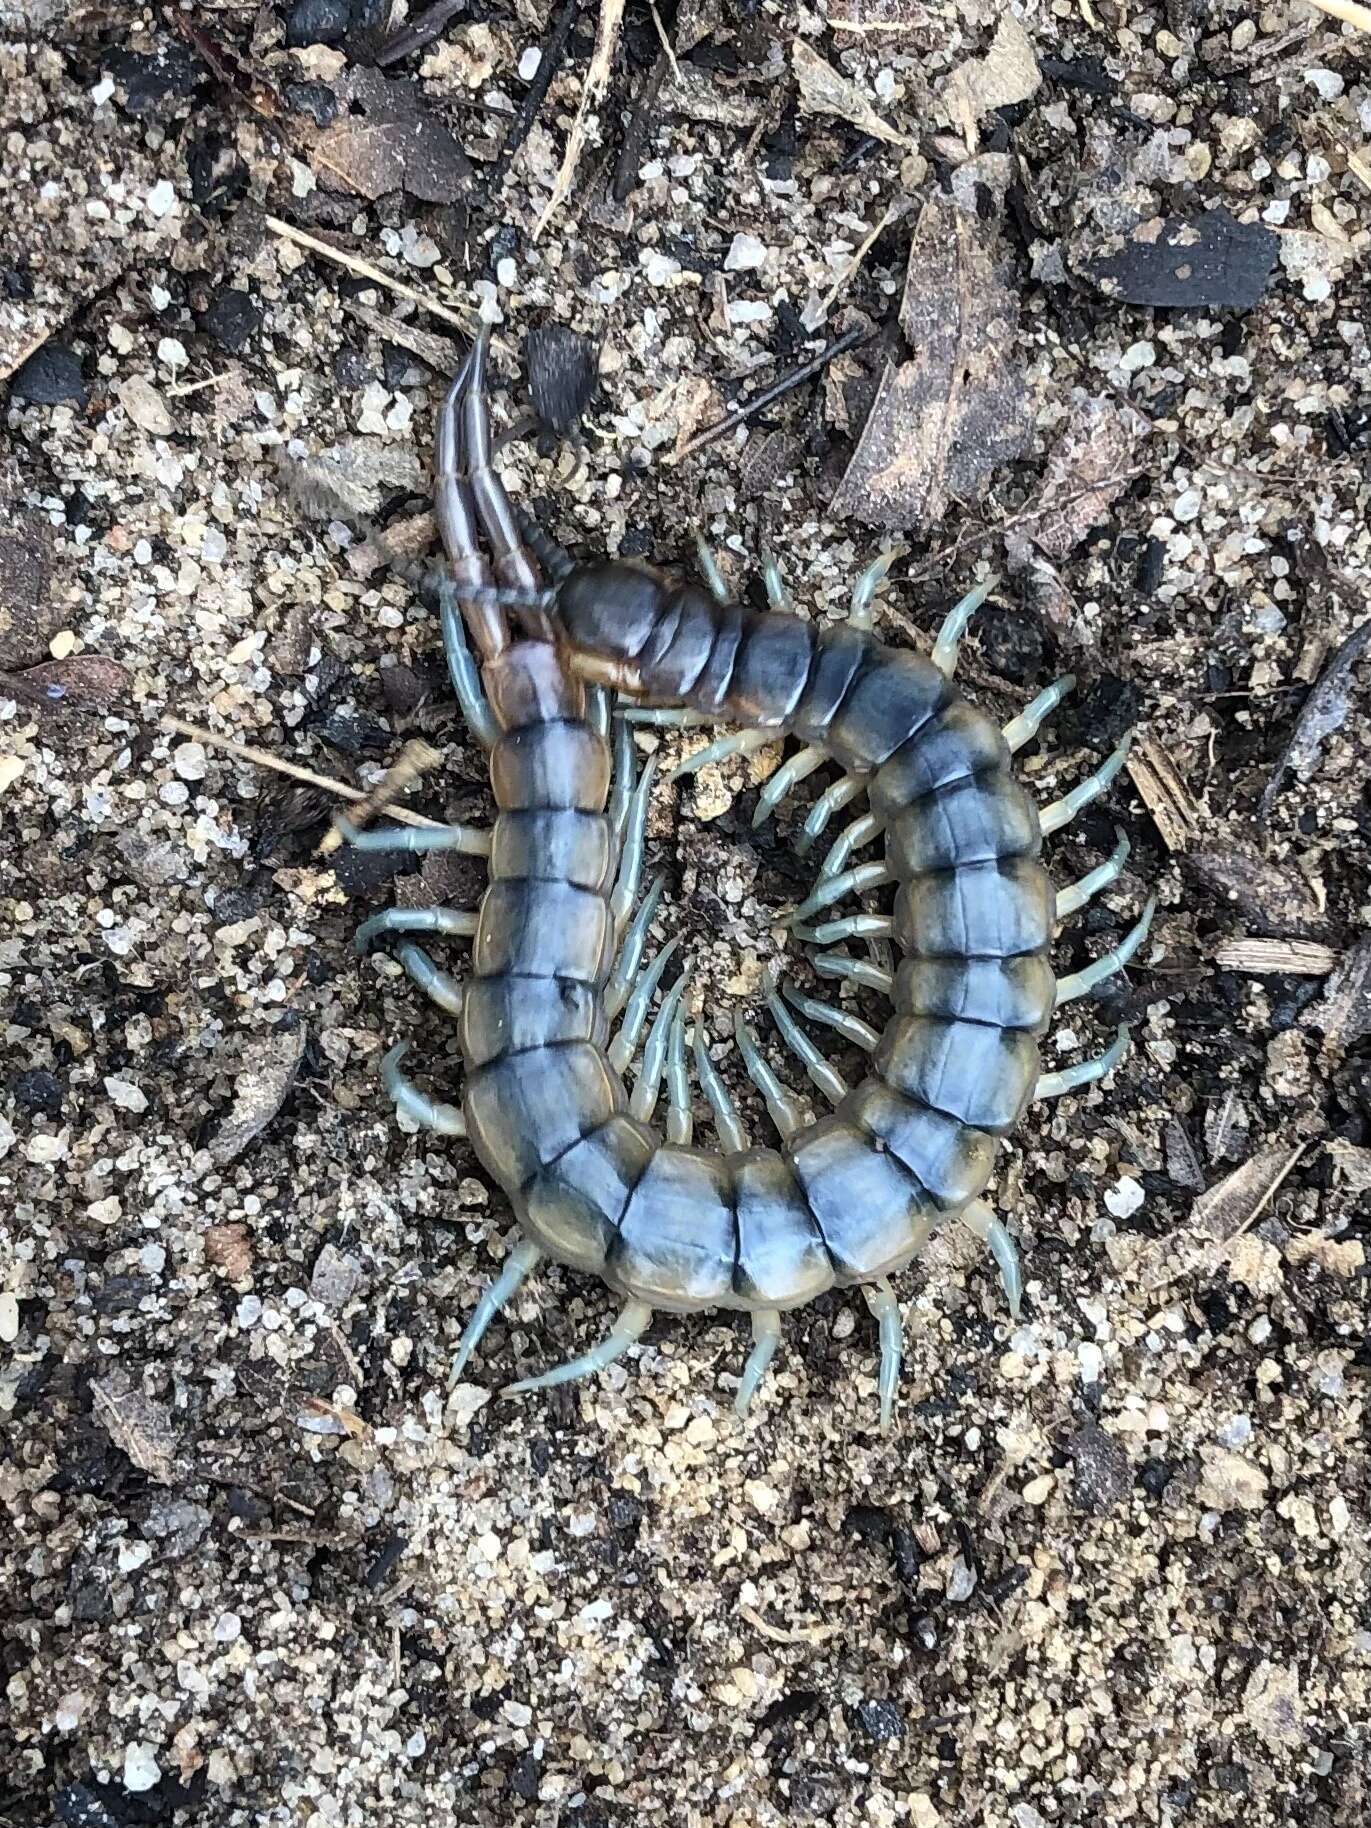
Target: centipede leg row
551	662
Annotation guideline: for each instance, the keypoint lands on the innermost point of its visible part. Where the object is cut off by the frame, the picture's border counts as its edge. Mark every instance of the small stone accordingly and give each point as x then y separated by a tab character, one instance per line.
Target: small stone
126	1095
51	375
881	1720
141	1769
38	1091
318	21
232	319
190	761
161	199
1125	1197
745	255
1230	1482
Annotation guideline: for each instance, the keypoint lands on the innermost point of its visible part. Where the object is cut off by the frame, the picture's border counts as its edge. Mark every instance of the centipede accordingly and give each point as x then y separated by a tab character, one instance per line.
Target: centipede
553	662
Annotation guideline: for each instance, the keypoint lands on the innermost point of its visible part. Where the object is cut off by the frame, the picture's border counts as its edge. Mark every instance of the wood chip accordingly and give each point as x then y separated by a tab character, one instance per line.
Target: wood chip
1343	1012
1090	466
597	77
1164	793
1273	897
137	1425
1324	711
353	478
386	139
269	1065
824	91
898	18
1008	73
1275	957
1218	1219
941	423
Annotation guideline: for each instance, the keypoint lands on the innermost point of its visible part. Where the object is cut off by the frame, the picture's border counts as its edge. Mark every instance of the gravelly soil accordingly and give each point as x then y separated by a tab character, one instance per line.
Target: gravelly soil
1111	1564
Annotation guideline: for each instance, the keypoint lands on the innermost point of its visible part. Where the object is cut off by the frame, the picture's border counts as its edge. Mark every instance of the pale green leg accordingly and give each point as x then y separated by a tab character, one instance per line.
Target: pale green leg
428	1113
831	800
680	1119
855	926
861	611
465	838
439	986
1081	983
634	1319
803	762
829	889
828	1079
463	670
1079	893
855	970
1071	1078
776	593
731	1130
766	1336
709	570
948	644
737	742
983	1224
851	838
523	1258
625	1044
842	1021
1061	812
880	1298
786	1111
643	1102
668	717
631	854
631	951
1023	728
458	923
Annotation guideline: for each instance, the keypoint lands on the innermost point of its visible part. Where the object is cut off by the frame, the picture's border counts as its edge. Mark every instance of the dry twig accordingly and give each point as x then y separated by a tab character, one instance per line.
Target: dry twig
597	77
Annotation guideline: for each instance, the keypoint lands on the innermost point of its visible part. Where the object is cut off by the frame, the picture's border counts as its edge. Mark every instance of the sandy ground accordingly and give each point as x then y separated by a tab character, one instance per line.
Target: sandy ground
258	1567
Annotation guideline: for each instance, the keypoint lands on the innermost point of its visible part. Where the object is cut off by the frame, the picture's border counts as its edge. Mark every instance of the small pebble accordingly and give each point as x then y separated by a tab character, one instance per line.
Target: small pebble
141	1769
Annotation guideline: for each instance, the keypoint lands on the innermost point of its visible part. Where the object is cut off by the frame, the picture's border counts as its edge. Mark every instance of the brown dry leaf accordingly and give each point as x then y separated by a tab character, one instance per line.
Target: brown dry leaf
1090	466
138	1427
824	91
354	477
1278	899
348	1421
393	143
1008	73
696	95
1164	794
81	682
1324	711
401	543
1218	1218
229	1248
940	424
270	1063
442	356
1275	957
1343	1012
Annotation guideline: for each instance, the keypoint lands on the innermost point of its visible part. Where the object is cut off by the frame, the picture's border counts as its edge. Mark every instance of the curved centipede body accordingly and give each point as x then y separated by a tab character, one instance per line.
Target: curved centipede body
846	1200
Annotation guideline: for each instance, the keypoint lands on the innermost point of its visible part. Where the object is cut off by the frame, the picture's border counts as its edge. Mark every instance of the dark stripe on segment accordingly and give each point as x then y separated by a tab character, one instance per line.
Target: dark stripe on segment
574	1204
543	843
950	1160
675	1246
523	1112
889	704
775	655
710	691
957	742
981	910
1014	992
781	1259
508	1015
541	928
869	1208
560	764
840	655
984	818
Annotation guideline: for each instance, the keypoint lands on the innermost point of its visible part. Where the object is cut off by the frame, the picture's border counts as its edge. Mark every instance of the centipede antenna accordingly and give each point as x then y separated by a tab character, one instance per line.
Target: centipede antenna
709	570
554	558
786	1111
855	926
438	986
463	670
1071	1078
1023	728
409	1101
1081	983
861	612
850	838
625	1044
737	742
982	1223
457	923
833	888
631	851
880	1298
948	644
634	1319
855	970
828	1079
625	775
631	951
729	1127
831	800
777	596
523	1258
1061	812
842	1021
680	1119
465	838
644	1099
766	1336
794	769
1079	893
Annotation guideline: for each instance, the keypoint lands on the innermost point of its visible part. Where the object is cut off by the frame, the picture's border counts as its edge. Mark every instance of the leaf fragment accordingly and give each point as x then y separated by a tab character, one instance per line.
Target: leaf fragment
269	1065
386	139
824	91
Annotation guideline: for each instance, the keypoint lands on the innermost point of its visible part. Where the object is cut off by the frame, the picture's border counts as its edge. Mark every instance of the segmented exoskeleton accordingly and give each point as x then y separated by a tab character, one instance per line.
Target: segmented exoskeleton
557	949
